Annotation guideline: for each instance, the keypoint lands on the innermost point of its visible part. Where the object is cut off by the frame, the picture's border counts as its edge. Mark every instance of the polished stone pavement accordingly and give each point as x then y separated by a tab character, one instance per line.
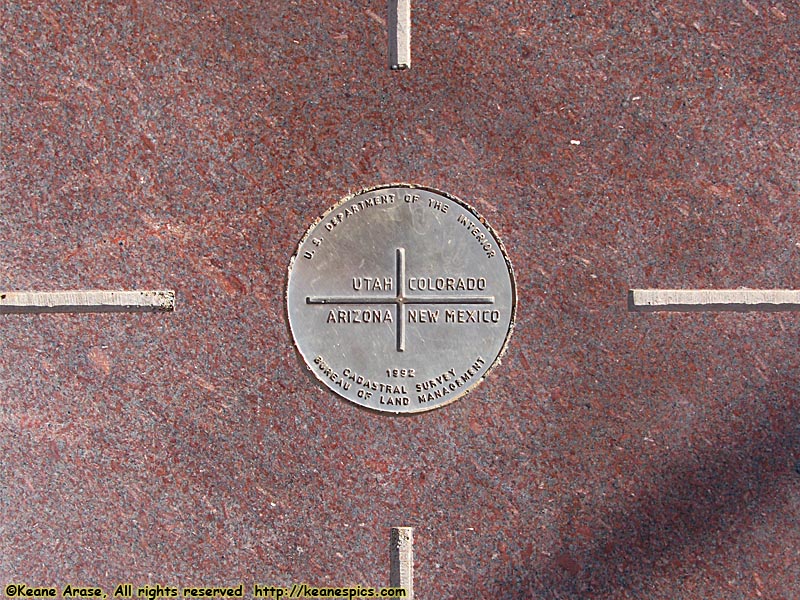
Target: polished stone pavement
188	146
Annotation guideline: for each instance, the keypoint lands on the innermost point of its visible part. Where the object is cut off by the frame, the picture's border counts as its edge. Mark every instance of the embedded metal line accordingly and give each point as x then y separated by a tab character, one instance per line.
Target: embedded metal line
87	301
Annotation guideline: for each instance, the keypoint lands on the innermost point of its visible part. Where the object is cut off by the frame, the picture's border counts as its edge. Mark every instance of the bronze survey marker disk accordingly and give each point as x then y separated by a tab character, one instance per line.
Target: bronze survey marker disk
400	298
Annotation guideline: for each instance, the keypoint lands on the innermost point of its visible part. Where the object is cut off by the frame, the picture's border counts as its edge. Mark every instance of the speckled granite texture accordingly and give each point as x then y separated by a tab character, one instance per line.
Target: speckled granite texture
189	145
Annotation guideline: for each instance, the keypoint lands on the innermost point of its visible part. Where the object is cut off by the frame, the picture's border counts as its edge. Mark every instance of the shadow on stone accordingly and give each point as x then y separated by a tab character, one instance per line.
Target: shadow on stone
684	520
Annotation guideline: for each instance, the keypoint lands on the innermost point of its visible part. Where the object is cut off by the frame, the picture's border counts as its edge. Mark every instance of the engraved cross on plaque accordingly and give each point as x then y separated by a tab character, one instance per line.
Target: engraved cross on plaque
401	299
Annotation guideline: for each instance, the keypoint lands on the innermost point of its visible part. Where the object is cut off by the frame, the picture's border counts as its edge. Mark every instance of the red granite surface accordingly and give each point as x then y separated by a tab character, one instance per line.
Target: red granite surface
189	145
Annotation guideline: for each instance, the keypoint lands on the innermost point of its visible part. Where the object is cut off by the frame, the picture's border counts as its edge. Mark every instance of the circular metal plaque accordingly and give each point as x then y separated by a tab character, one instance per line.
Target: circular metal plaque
400	298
